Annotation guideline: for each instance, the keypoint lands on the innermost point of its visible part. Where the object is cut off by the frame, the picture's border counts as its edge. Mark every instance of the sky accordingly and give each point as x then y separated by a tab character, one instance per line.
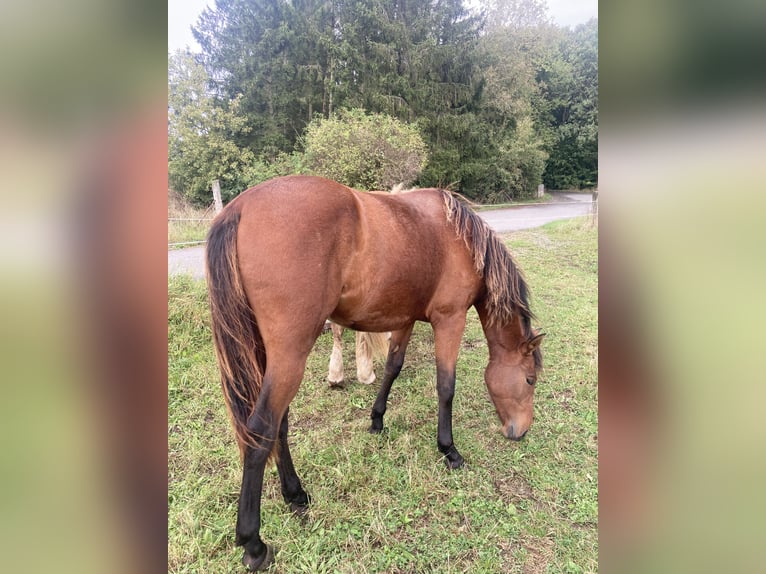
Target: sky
183	13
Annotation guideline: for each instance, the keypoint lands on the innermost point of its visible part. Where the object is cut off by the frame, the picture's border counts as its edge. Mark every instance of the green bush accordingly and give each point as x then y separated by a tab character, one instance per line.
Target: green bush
268	168
365	151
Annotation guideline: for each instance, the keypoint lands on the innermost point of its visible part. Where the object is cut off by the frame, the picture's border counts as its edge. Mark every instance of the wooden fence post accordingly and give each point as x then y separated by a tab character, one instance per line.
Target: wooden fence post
217	196
594	206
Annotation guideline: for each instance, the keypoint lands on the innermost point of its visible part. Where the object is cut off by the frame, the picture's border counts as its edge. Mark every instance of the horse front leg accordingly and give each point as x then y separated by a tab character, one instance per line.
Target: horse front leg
396	350
447	337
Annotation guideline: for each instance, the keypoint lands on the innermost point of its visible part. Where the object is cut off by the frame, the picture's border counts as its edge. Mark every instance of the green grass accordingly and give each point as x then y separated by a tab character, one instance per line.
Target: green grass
186	223
387	503
186	231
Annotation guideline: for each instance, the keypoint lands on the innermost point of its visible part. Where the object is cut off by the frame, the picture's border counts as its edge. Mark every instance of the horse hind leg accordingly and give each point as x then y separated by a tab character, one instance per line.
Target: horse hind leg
335	369
292	490
365	373
257	554
370	346
265	425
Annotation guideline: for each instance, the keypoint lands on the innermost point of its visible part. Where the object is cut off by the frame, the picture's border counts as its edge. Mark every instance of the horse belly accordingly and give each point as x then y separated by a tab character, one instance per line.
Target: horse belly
388	283
373	323
377	305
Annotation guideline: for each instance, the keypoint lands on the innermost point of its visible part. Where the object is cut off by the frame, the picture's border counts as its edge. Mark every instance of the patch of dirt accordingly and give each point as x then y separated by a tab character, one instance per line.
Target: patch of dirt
514	488
538	553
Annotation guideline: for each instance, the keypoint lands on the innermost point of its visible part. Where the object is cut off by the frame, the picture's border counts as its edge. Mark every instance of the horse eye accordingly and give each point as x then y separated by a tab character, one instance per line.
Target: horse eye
530	382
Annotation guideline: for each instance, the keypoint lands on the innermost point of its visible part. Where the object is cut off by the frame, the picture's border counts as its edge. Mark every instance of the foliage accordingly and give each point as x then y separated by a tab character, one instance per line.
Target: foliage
496	90
386	503
519	163
201	135
364	151
570	107
279	164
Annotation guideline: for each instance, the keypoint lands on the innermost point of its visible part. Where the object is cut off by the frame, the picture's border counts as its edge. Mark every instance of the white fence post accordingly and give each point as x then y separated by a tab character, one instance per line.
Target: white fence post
540	190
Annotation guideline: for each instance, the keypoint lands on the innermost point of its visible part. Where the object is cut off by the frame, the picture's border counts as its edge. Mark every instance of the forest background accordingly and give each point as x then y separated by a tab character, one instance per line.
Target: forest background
493	98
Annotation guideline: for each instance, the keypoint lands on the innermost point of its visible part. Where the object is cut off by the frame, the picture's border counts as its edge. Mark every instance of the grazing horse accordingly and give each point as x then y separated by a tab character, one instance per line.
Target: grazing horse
368	347
285	255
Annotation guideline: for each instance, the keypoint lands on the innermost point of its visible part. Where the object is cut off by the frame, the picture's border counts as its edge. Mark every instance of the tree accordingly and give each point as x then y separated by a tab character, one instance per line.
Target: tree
494	93
570	109
289	60
512	47
202	134
411	59
365	151
535	70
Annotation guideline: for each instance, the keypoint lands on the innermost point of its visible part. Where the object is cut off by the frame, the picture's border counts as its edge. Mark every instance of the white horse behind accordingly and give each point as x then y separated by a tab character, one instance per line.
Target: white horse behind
369	346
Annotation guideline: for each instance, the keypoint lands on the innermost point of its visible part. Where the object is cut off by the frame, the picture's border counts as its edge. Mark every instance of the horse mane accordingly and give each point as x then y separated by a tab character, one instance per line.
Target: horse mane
506	288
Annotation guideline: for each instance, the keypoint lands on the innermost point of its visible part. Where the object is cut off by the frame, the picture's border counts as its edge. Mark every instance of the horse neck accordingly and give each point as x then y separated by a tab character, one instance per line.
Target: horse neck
501	338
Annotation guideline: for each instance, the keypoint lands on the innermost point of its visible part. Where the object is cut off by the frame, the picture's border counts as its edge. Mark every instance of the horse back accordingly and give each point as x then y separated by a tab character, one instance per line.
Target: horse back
313	248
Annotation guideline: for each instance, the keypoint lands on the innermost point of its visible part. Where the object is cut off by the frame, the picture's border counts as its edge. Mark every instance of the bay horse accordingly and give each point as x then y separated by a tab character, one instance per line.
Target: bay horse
286	254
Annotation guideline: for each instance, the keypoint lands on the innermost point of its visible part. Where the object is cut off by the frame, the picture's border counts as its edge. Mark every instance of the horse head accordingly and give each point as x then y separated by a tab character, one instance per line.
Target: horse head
515	359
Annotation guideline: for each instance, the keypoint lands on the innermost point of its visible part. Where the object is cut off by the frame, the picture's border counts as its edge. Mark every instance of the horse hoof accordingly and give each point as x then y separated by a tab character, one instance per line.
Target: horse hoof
456	463
376	430
300	510
254	564
337	384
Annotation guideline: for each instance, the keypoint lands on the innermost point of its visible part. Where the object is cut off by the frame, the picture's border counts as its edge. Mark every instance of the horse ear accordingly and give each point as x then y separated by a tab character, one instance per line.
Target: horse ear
533	343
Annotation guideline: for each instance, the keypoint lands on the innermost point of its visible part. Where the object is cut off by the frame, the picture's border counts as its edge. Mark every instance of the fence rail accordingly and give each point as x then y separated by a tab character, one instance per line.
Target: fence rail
191	218
187	243
479	207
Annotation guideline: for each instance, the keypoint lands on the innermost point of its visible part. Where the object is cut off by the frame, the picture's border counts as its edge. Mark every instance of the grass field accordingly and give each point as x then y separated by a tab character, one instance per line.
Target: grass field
186	223
387	503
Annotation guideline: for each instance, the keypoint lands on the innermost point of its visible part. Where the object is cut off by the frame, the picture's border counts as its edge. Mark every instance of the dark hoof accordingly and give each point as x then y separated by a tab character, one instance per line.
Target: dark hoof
256	564
340	385
375	430
299	510
454	463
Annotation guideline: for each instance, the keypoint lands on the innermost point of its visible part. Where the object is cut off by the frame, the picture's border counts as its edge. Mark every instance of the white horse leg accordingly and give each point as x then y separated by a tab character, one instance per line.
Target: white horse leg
364	367
335	371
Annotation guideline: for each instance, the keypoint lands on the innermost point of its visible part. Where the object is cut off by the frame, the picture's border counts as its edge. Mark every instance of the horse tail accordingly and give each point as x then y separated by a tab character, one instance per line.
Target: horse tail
236	337
377	343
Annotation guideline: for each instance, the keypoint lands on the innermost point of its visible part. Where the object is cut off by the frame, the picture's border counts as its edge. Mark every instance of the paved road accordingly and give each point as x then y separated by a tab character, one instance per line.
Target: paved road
565	206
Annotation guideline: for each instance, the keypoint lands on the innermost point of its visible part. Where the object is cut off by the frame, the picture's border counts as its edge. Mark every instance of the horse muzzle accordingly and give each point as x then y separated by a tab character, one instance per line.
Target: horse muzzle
512	434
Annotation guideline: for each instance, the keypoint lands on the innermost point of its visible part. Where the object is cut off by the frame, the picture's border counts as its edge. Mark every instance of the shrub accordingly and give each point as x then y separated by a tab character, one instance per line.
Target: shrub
365	151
